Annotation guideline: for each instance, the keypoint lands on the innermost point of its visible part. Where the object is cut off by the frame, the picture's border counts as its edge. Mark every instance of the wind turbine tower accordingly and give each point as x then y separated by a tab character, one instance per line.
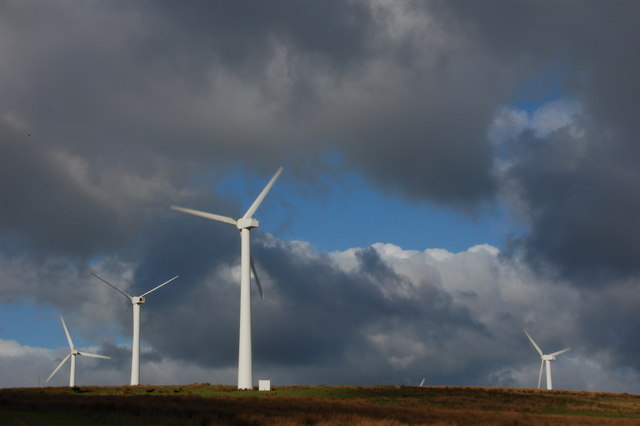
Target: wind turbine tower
545	361
72	354
245	224
136	301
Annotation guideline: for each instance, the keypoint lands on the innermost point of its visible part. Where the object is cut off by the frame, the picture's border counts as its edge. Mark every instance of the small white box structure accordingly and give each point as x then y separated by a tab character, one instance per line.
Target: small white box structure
264	385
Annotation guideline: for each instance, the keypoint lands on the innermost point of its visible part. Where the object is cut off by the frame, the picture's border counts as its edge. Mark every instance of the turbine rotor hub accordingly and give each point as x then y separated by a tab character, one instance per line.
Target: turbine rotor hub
247	223
137	300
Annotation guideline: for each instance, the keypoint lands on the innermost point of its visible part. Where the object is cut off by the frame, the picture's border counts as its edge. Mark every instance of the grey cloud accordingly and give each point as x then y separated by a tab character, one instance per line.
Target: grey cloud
581	204
592	38
453	318
577	188
407	101
608	326
141	87
246	31
45	205
314	315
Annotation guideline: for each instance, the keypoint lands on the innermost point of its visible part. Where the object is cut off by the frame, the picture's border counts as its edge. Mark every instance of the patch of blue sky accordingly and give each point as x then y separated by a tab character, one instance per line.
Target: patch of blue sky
38	325
342	210
546	84
543	104
17	323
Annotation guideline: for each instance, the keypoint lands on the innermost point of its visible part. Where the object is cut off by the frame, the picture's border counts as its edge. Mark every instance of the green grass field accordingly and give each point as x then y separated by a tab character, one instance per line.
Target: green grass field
203	404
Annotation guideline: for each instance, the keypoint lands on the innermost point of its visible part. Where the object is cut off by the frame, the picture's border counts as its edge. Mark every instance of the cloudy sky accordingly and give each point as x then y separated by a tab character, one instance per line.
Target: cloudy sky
454	172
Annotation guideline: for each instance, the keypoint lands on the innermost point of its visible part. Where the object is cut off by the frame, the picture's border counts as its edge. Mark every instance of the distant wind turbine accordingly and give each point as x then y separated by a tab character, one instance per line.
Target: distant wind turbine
74	352
136	301
545	359
244	225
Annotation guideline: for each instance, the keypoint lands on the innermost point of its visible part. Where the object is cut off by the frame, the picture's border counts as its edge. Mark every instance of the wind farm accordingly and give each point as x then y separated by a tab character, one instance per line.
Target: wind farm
304	404
386	194
244	225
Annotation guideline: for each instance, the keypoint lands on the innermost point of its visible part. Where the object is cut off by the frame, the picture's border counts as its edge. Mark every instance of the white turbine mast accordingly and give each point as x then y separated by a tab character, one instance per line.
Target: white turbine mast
244	225
136	301
545	361
72	354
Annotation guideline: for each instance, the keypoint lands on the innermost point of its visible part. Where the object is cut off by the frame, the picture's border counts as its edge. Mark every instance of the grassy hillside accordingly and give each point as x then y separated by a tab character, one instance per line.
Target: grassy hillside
312	405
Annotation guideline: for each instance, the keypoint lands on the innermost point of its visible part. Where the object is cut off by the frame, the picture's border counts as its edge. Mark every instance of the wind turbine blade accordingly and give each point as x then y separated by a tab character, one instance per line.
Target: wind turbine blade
66	331
560	352
533	343
58	367
540	375
163	284
206	215
422	382
113	286
93	355
263	194
255	275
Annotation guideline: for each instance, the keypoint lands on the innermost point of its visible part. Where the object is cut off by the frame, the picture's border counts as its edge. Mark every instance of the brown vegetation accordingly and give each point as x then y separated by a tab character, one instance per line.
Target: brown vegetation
313	405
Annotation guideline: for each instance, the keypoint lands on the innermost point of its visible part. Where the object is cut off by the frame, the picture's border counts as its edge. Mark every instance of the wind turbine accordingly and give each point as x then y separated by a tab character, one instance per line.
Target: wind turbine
244	225
74	352
136	301
545	359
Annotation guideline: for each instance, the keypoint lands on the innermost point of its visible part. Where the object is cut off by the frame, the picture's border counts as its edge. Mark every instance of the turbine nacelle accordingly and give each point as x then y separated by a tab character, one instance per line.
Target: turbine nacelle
137	300
247	223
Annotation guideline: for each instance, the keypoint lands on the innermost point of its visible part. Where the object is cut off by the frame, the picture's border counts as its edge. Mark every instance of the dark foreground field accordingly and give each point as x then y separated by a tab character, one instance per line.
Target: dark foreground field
312	405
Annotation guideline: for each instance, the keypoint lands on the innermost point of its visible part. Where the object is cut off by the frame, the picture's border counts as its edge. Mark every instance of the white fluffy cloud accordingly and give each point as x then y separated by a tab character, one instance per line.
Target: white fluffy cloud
510	122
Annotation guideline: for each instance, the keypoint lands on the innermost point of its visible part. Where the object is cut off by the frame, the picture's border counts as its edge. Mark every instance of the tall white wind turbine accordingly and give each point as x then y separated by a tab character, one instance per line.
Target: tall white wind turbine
244	225
545	359
136	301
74	352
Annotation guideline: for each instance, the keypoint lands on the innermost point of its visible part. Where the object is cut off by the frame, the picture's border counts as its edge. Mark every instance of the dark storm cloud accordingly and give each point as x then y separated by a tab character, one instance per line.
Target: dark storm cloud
323	315
44	204
241	34
584	209
295	324
611	333
316	321
595	38
200	307
577	187
394	109
171	90
177	89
